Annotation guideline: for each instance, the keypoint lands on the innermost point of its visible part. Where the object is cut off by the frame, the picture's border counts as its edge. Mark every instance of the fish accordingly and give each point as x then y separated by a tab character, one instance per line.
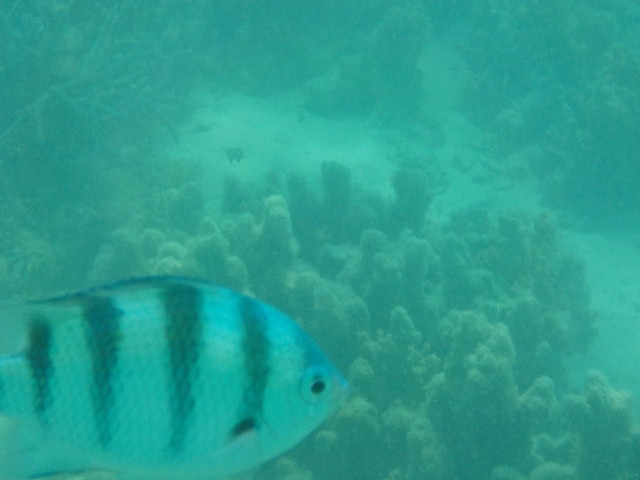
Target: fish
234	154
156	378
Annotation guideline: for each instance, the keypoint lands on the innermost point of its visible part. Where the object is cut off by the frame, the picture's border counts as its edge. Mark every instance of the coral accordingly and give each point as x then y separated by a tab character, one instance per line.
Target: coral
473	402
240	197
603	160
555	447
506	473
205	255
418	262
385	287
427	456
182	207
169	259
601	420
538	405
328	320
448	395
275	242
463	282
394	363
119	258
331	259
382	77
285	469
413	196
413	449
82	76
306	217
274	251
455	334
568	66
512	268
385	278
553	471
372	273
347	443
208	252
372	242
391	62
28	264
336	187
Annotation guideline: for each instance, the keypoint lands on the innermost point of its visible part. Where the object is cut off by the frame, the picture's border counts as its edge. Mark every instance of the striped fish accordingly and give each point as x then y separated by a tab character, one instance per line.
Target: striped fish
161	377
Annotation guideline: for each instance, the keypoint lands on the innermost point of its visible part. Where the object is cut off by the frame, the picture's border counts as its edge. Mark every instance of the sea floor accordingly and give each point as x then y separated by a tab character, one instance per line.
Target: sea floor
613	275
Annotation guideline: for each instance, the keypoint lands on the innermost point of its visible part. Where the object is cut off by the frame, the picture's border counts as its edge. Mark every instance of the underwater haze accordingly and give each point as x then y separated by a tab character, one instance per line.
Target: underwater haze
443	193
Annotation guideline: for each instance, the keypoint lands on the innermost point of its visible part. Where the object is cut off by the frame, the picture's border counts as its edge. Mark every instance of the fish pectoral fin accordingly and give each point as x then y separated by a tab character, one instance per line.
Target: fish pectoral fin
242	451
246	426
80	475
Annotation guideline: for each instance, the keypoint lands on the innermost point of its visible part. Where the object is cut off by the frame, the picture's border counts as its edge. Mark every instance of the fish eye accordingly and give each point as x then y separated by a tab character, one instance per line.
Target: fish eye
318	387
315	384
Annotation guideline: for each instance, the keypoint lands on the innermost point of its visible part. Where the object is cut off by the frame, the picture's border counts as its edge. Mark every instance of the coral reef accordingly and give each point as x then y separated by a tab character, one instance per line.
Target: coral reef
413	197
377	79
336	186
601	420
564	72
84	77
454	336
456	333
473	402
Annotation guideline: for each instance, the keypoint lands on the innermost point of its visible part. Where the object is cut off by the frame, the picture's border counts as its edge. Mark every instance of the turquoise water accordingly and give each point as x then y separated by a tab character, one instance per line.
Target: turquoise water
444	193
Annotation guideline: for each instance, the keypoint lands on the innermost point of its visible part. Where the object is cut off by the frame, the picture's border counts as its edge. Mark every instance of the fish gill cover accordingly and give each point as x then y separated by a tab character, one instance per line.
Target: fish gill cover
456	324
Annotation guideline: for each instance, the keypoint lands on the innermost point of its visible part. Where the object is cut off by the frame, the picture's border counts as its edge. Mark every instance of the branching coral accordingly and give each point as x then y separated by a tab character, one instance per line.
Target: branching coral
413	197
85	80
473	403
336	184
512	268
394	364
601	420
453	336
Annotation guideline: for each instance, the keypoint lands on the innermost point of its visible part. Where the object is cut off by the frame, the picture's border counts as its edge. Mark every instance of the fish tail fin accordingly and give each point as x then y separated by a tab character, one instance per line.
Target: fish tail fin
13	328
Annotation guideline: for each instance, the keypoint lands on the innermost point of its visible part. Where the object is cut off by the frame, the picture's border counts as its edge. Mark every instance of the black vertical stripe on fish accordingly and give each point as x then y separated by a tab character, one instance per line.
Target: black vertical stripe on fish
255	348
102	334
183	332
38	356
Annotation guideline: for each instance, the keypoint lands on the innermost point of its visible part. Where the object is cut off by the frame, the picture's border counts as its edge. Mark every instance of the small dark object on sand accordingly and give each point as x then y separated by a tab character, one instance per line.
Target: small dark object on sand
234	154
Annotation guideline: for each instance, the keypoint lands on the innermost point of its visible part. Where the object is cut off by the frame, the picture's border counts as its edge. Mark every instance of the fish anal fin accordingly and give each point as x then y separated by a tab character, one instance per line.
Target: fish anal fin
9	468
80	475
25	453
